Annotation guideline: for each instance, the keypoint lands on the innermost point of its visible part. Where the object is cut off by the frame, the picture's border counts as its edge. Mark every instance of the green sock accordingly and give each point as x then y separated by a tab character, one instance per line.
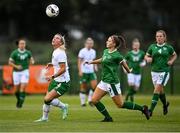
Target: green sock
101	108
155	99
17	95
163	98
132	106
132	95
130	91
22	96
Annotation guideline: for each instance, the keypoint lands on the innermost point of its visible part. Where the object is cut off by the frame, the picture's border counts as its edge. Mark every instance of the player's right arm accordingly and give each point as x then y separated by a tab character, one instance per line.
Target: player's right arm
80	61
148	57
11	63
98	61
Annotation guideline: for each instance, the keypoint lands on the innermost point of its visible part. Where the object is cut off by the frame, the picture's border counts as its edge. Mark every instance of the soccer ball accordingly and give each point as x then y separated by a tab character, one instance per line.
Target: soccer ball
52	10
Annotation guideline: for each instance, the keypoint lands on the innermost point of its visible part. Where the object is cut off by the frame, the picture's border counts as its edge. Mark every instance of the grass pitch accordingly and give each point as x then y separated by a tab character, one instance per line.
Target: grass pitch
84	119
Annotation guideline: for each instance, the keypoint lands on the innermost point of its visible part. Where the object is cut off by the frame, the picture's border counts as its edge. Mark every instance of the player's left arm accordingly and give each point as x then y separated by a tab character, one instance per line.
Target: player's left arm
32	61
172	58
62	70
125	66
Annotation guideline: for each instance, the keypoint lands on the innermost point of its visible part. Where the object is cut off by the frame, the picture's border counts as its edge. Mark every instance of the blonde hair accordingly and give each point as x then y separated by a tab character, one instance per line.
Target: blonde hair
164	34
135	40
63	41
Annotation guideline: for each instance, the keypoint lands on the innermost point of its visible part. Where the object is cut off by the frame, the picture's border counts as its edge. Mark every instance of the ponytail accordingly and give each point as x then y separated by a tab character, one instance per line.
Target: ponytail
119	41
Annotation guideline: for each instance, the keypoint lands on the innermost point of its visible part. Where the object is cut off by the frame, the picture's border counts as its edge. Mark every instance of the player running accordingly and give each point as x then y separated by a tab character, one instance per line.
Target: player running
161	55
135	60
60	80
110	82
20	59
86	71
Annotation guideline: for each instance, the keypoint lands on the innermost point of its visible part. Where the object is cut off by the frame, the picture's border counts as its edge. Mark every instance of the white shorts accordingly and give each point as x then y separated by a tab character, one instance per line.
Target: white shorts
112	89
21	77
134	79
160	78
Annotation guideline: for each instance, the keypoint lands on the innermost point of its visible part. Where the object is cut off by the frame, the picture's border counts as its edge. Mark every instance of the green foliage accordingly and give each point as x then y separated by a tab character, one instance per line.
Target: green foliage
87	118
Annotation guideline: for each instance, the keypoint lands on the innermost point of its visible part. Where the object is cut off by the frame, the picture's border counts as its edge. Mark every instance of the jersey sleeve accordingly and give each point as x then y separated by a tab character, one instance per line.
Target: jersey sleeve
61	57
30	54
171	50
149	51
94	54
80	55
120	59
12	56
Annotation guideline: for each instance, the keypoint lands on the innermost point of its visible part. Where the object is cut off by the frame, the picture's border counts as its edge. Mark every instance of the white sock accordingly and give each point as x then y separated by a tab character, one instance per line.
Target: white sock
46	109
82	98
90	95
57	103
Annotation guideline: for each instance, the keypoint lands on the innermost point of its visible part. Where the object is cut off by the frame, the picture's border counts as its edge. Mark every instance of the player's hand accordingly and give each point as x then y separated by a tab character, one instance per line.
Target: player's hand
170	62
142	64
149	59
48	78
19	67
130	70
49	65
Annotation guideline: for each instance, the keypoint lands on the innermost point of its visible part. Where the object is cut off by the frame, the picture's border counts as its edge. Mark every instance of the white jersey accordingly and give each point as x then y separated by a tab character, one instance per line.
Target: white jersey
87	55
59	56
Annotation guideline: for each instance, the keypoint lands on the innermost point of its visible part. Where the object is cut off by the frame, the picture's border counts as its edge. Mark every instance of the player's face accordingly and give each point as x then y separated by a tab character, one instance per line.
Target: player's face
22	44
89	44
136	45
160	38
110	43
56	41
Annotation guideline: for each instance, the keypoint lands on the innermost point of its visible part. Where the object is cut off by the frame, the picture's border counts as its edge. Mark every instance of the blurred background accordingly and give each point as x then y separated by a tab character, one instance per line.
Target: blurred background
79	19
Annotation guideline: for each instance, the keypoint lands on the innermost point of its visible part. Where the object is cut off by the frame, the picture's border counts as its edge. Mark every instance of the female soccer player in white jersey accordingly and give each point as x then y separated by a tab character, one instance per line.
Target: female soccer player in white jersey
86	71
60	80
20	59
110	83
161	55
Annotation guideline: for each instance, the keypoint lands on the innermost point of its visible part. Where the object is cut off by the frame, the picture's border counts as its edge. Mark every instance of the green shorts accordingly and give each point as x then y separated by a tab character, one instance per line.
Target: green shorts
87	77
59	87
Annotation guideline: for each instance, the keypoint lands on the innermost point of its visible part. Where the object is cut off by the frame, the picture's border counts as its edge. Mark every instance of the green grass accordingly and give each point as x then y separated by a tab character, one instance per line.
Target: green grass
85	119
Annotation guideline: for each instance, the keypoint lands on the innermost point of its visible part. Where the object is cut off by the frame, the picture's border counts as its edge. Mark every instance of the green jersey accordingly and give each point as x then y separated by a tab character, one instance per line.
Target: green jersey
110	64
160	55
134	59
21	58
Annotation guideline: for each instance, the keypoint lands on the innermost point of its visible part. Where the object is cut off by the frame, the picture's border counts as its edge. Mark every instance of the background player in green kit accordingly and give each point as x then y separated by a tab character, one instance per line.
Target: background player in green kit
60	80
135	60
20	59
161	55
109	79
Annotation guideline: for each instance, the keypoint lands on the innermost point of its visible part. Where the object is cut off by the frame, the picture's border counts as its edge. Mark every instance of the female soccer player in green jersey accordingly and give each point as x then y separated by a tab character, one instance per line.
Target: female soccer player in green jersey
110	82
60	80
20	59
161	55
135	60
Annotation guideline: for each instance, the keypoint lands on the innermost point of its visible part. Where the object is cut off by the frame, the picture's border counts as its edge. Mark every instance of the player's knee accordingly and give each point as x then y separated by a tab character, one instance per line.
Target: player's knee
47	100
94	101
120	104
